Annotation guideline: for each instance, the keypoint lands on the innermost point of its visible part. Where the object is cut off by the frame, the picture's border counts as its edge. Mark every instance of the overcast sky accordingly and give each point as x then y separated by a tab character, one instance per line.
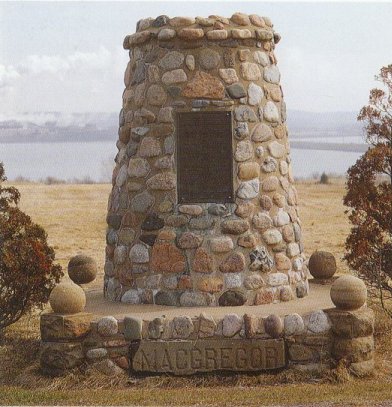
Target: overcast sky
68	57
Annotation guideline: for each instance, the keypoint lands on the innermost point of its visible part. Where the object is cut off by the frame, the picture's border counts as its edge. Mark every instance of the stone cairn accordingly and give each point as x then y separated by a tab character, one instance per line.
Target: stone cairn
159	251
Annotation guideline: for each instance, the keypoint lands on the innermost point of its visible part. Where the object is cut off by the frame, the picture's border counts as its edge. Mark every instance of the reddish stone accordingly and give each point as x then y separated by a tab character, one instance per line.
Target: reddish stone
122	362
184	283
203	261
204	85
234	263
248	241
189	240
210	285
167	258
265	296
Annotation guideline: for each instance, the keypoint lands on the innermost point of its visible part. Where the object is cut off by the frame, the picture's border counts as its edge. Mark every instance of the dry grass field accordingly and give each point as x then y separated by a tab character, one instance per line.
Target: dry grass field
74	218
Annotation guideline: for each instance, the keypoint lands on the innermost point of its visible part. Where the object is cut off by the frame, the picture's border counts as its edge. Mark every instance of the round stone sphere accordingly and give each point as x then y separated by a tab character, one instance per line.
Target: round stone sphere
322	265
67	298
348	293
82	269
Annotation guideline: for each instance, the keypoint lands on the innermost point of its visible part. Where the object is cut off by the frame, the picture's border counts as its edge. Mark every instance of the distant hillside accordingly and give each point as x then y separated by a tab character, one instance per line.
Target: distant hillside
60	127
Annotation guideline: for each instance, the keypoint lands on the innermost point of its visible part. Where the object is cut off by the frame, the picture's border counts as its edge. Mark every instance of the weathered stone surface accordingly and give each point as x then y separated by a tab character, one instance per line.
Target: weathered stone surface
156	95
232	298
249	241
138	167
209	59
96	354
293	249
286	293
260	259
131	297
108	368
62	327
233	280
352	324
139	254
317	322
257	20
250	71
234	263
283	263
264	296
203	261
142	202
244	150
272	236
133	328
193	210
277	279
322	264
236	91
241	34
245	114
162	182
207	326
262	221
166	34
201	223
269	165
156	327
240	19
276	149
249	189
210	284
217	209
263	34
176	220
204	85
216	35
293	325
221	244
261	58
353	350
107	326
231	325
270	184
273	326
181	21
253	282
167	258
82	269
266	202
189	357
182	327
149	147
58	357
234	226
241	130
255	94
169	298
271	112
193	299
244	210
190	62
190	34
362	369
171	60
189	240
152	222
272	74
229	75
248	170
175	76
67	298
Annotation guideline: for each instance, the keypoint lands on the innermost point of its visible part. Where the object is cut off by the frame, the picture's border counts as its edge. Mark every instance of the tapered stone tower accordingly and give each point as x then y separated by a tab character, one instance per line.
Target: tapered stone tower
203	210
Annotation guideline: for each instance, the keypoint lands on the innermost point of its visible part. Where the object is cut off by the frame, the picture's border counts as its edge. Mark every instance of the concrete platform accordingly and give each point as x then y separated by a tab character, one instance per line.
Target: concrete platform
317	299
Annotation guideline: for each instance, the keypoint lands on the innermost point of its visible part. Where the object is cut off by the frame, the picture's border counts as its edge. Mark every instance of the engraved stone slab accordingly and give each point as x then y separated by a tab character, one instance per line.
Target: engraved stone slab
207	355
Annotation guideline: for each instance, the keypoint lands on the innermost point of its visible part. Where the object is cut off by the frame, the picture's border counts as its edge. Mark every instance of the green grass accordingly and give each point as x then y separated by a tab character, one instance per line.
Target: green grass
354	393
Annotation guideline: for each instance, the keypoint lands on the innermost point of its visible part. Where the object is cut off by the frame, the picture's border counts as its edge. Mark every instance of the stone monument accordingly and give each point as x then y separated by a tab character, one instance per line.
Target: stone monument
203	210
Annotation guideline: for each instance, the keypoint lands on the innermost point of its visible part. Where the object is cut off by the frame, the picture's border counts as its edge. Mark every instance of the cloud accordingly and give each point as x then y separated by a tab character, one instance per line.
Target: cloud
8	76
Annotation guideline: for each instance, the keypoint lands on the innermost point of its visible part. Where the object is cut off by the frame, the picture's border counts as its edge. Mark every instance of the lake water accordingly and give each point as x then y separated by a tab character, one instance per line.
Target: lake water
95	160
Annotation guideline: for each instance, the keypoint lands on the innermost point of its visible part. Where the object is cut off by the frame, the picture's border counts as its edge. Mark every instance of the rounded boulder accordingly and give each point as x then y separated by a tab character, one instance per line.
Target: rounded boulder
348	293
67	298
82	269
322	265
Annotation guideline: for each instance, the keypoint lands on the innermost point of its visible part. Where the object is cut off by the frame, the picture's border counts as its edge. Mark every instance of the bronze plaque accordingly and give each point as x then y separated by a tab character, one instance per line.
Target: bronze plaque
204	157
208	355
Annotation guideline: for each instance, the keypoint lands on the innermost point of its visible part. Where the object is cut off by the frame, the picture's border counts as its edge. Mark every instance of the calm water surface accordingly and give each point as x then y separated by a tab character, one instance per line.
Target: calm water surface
95	160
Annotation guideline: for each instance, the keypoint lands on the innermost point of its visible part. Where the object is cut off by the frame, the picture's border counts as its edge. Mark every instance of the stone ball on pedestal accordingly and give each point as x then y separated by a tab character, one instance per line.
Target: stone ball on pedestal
82	269
322	265
67	298
348	293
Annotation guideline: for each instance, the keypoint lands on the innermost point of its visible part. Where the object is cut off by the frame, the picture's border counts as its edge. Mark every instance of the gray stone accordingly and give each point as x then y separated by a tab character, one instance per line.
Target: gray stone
190	62
236	91
131	297
156	95
96	354
168	145
269	165
209	59
241	130
113	290
293	325
164	181
133	328
164	163
271	112
138	167
165	115
217	209
152	222
107	326
245	114
142	202
108	368
317	322
276	149
248	189
120	254
244	151
261	58
277	279
293	249
170	281
172	60
174	91
207	326
111	237
139	254
255	94
156	327
229	75
272	74
200	103
173	77
166	34
232	324
139	74
282	218
221	244
109	268
121	176
182	327
302	290
262	221
193	299
167	298
160	21
233	280
201	223
273	326
149	147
